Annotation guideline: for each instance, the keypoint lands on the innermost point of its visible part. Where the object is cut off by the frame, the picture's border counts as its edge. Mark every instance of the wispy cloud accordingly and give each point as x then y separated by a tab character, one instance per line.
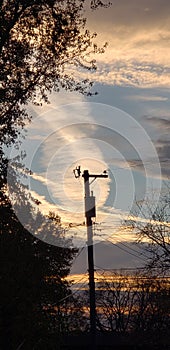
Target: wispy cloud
161	126
138	34
133	72
161	123
147	98
97	137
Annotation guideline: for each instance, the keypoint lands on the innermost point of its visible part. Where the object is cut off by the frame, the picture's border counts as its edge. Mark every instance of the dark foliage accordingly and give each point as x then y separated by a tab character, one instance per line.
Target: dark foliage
32	281
42	45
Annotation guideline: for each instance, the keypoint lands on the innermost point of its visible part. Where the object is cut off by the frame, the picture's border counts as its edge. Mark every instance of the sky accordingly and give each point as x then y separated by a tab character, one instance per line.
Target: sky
124	129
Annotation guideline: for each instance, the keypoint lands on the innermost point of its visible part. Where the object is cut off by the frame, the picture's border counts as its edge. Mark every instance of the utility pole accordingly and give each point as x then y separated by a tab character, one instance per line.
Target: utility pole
90	211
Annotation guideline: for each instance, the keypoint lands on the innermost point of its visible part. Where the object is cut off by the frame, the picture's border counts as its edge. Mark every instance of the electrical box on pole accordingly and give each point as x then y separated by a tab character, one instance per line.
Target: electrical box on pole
90	208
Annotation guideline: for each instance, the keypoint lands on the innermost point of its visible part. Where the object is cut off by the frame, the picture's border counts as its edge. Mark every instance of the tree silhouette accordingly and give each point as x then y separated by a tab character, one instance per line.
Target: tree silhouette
136	303
42	44
115	300
153	230
32	281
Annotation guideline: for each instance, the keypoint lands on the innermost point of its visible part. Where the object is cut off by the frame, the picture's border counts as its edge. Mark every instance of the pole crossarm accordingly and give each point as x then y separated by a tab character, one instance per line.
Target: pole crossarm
96	176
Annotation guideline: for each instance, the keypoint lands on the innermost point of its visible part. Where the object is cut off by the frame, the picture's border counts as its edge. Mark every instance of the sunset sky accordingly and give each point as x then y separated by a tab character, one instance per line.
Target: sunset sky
124	129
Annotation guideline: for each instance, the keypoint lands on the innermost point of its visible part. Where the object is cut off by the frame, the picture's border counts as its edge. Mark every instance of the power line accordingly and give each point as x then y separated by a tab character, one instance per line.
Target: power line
128	247
81	279
125	268
125	250
102	274
73	293
134	250
120	269
78	254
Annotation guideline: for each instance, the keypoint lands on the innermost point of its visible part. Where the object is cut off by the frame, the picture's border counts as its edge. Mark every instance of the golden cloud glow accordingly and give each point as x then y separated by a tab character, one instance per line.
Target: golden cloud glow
138	34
